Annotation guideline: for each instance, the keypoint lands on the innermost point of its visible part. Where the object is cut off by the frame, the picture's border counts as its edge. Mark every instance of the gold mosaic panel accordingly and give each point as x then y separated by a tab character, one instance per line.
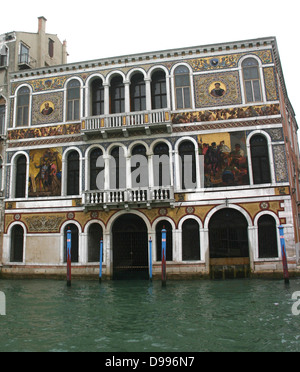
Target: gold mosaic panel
47	108
270	84
217	89
227	61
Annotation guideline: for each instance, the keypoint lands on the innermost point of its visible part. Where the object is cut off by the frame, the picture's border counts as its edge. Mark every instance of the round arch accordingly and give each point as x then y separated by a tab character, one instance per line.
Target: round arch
93	77
134	71
87	155
135	143
179	165
114	217
270	153
65	168
76	248
16	104
156	68
190	217
73	78
160	140
117	144
129	235
267	235
13	164
17	242
94	231
23	86
181	64
158	225
191	247
113	74
88	91
231	206
228	234
261	76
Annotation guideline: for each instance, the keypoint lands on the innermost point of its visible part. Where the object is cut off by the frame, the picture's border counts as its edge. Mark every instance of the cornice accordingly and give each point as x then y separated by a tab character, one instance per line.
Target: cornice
150	57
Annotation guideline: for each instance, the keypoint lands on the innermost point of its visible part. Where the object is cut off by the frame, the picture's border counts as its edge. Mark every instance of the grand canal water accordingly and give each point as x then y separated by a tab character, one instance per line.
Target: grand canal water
133	316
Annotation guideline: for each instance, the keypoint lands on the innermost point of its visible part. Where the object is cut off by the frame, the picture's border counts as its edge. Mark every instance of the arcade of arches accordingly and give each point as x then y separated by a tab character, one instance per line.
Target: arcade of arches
228	243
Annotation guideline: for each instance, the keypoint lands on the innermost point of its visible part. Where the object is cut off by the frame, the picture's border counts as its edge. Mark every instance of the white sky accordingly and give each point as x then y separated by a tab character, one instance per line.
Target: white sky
108	28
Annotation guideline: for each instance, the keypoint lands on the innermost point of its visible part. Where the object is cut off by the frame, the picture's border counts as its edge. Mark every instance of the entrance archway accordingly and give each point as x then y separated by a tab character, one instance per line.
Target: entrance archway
130	248
228	244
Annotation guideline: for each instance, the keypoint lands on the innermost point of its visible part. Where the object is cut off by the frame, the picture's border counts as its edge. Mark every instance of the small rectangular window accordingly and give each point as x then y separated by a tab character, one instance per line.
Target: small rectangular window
3	56
51	48
24	54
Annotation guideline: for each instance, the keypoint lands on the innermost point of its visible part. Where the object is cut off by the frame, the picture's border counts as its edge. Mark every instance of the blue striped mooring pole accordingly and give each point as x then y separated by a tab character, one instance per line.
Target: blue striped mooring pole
69	245
284	256
163	257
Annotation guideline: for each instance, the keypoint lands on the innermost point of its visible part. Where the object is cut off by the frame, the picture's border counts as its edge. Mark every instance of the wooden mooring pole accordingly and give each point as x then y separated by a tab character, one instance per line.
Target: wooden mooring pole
163	257
69	245
284	256
150	259
100	260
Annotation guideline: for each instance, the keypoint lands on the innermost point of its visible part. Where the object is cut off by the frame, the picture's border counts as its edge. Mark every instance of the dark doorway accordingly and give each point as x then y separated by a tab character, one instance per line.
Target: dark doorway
228	244
17	244
267	237
130	248
190	240
95	234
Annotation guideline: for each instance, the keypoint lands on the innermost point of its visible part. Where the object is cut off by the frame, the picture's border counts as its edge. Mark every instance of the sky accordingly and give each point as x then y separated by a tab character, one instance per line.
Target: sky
109	28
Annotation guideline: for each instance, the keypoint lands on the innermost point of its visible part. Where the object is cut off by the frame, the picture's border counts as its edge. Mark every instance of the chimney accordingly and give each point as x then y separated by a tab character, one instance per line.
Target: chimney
42	24
65	53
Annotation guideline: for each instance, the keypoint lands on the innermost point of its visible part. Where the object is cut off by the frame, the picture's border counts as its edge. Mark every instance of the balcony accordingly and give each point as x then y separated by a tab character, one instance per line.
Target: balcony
129	198
125	123
25	61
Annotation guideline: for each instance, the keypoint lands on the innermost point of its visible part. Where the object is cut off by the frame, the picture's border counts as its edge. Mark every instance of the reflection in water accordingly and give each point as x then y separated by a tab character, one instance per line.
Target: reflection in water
238	315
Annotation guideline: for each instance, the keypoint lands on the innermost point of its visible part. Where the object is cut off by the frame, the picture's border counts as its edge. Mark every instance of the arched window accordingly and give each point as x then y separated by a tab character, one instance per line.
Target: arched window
169	254
182	87
20	185
95	234
17	244
74	242
23	107
252	80
2	117
190	240
94	170
139	166
97	97
161	165
73	100
117	169
228	234
260	160
138	93
158	90
73	173
188	165
117	95
267	237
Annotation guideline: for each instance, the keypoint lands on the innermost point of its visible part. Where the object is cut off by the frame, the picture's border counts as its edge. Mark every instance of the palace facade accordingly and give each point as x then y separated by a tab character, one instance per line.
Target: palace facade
200	141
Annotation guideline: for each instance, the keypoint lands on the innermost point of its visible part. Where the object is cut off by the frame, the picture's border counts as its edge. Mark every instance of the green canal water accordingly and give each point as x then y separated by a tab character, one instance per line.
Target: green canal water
139	316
